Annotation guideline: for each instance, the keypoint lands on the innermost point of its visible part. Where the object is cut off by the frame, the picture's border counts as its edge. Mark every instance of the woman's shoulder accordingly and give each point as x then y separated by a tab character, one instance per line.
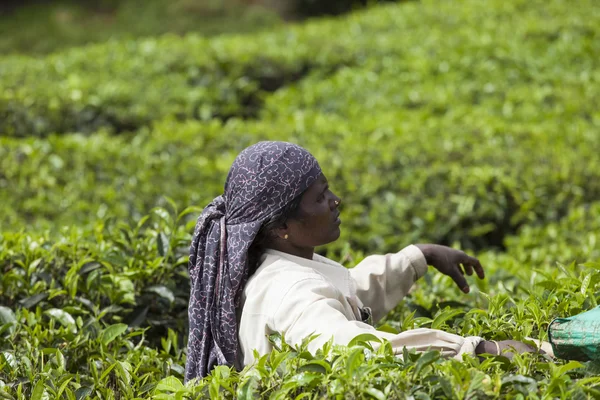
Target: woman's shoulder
277	275
276	267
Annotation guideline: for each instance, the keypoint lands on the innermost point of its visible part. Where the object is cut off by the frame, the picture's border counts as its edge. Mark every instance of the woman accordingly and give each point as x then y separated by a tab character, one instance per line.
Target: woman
277	207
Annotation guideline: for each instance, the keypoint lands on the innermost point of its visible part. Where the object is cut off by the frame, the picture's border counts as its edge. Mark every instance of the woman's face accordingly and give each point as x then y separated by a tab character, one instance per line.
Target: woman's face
318	221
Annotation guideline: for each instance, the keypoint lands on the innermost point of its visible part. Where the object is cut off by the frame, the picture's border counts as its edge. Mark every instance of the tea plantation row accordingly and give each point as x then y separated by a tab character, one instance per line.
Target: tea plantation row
518	59
441	180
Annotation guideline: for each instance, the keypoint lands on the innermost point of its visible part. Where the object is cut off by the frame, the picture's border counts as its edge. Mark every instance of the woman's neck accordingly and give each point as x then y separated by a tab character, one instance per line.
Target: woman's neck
286	247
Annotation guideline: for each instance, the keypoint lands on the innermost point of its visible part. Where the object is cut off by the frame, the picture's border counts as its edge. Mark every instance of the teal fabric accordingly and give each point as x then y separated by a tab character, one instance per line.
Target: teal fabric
577	337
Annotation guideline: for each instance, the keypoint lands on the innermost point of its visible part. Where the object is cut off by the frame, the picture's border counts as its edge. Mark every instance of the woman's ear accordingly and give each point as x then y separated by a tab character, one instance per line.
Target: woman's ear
282	232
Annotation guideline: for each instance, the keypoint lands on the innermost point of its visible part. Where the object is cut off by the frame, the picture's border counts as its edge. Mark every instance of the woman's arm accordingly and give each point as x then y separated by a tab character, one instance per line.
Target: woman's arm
382	281
312	306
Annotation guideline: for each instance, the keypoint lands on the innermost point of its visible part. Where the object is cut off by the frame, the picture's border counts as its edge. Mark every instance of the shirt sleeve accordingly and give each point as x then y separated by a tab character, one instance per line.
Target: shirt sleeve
312	306
383	280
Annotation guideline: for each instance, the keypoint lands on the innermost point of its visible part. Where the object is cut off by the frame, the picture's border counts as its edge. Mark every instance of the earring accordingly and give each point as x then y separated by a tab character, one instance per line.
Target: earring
286	236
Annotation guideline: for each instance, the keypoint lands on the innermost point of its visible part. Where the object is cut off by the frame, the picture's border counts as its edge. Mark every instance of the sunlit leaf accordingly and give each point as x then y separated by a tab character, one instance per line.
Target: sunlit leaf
38	390
364	338
63	317
377	394
7	316
112	332
169	384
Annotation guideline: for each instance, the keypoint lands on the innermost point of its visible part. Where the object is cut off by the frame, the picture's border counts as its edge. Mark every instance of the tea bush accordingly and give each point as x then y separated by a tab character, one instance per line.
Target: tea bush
124	85
473	126
95	312
434	182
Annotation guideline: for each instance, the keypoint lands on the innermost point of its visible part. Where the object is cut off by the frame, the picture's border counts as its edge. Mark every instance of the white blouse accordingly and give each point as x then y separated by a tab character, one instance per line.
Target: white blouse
299	297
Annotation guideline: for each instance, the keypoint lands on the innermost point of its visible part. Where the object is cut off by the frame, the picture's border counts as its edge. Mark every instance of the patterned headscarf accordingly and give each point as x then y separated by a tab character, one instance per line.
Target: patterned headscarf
263	179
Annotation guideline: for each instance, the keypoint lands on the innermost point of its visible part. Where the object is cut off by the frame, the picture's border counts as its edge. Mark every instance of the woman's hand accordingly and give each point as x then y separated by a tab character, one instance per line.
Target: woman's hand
453	263
507	348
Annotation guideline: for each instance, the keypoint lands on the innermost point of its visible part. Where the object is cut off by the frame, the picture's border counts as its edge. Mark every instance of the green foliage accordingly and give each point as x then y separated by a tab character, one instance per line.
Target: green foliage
474	126
80	301
124	85
116	272
574	237
96	311
42	27
359	372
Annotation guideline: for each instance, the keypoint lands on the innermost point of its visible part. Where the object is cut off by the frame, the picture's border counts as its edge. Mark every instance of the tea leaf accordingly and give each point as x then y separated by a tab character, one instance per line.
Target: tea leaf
89	267
7	316
63	317
162	291
444	316
585	283
33	300
162	243
317	366
38	390
112	332
169	384
248	389
425	360
563	369
364	338
378	394
83	393
387	328
355	359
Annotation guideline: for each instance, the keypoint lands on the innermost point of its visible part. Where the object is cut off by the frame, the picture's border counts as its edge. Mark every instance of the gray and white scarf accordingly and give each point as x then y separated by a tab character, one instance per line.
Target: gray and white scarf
263	179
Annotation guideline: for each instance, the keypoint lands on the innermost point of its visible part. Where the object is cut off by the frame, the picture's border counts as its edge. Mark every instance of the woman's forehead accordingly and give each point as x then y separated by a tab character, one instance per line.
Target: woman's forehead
317	186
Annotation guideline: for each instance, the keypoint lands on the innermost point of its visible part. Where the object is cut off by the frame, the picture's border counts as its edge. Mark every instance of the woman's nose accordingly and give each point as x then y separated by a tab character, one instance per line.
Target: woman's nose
336	201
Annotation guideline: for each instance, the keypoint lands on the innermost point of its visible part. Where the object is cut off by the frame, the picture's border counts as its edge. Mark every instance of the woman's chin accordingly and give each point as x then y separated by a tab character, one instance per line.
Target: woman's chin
336	233
333	236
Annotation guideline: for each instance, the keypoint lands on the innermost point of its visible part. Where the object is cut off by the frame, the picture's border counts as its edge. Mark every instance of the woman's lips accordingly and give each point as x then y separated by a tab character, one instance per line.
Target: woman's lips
337	219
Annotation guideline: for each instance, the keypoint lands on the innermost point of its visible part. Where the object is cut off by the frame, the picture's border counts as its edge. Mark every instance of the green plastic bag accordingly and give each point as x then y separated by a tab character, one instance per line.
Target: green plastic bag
577	337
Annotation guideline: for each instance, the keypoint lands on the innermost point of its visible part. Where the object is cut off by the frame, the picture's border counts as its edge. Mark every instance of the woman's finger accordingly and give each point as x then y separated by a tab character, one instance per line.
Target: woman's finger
468	269
459	279
474	263
479	269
